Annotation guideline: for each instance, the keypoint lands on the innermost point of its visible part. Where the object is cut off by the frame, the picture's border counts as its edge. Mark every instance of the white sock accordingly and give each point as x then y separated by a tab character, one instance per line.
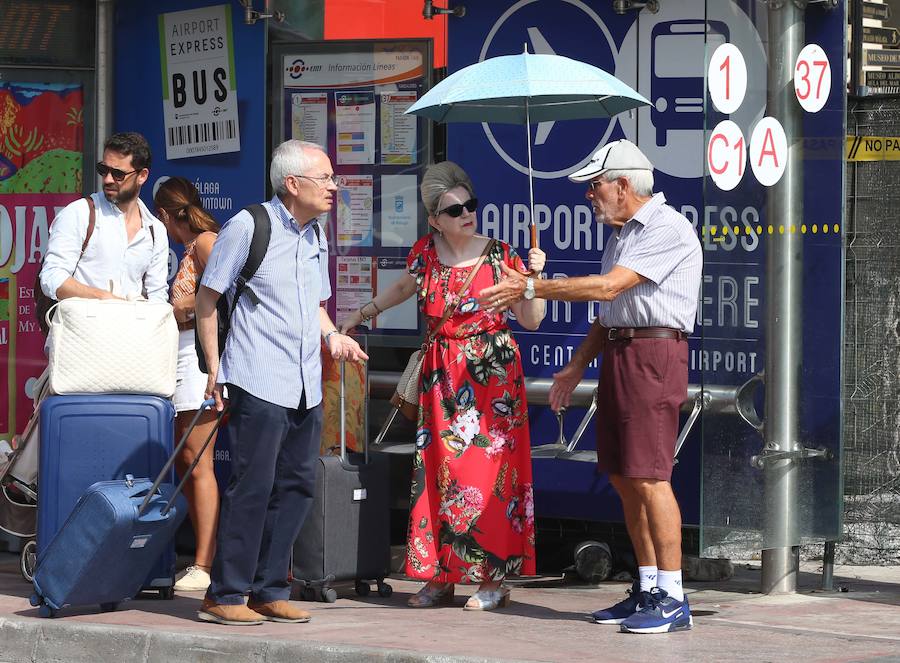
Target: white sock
670	581
647	575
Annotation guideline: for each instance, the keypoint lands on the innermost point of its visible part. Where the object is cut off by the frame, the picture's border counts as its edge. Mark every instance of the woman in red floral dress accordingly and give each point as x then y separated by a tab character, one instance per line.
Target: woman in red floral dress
472	509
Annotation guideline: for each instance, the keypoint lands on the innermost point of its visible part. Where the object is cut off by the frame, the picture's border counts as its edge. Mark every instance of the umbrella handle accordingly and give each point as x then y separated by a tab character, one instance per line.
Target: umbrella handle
534	240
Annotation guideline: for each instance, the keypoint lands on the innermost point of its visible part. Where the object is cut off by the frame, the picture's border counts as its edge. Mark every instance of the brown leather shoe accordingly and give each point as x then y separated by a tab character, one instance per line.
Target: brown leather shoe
280	611
230	615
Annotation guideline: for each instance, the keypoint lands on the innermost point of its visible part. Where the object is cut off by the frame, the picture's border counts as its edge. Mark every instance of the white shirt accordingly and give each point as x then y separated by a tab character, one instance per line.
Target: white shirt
109	256
661	245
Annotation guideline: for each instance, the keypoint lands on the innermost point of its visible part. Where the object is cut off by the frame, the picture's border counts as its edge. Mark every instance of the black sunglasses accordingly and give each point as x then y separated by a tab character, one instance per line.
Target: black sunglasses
456	210
117	175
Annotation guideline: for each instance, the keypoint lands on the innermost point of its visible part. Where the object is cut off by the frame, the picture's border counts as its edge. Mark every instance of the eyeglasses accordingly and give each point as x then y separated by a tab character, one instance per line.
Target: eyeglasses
118	175
322	180
456	210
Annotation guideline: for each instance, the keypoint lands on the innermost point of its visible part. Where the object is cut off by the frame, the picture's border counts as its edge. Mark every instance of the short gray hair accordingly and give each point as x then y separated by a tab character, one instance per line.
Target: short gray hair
438	180
641	180
290	158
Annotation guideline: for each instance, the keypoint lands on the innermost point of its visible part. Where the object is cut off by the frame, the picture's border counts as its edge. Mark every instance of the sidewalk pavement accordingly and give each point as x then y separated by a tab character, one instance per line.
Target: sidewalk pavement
545	622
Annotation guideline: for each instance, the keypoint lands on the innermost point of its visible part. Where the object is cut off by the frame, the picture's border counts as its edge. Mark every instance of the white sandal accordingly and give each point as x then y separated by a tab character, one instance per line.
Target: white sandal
488	599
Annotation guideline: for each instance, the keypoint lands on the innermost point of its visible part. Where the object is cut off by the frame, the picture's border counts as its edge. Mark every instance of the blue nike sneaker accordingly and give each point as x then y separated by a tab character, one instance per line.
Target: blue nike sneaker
659	613
623	609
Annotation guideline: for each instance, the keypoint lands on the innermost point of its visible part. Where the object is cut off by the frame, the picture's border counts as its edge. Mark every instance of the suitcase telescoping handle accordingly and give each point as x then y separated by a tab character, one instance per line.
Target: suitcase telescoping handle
203	407
361	331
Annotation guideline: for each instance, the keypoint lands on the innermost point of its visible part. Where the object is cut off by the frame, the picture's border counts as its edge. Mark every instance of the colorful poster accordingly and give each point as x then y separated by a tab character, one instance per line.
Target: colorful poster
355	127
200	101
354	285
309	117
398	131
354	211
41	141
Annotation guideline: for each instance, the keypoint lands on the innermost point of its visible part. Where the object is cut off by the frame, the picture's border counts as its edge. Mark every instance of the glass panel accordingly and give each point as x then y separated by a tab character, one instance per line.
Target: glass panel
773	283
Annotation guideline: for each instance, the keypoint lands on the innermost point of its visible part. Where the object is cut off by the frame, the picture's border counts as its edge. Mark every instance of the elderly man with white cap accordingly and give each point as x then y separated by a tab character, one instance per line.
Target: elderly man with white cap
647	291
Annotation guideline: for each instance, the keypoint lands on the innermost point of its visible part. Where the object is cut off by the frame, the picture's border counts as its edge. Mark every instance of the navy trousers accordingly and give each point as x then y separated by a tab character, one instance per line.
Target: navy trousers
273	454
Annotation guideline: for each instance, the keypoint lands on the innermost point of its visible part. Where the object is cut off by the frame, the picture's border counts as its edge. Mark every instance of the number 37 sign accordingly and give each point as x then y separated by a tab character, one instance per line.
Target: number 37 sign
727	151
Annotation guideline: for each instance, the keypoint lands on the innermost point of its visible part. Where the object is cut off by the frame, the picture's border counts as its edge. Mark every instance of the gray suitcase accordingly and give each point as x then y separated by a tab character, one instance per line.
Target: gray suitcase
346	536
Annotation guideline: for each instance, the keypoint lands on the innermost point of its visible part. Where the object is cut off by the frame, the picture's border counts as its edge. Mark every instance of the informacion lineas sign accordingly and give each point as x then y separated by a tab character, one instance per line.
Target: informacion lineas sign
200	104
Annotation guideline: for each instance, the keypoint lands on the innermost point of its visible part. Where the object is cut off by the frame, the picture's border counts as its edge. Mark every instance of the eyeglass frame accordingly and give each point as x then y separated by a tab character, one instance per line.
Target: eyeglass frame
473	200
114	171
321	179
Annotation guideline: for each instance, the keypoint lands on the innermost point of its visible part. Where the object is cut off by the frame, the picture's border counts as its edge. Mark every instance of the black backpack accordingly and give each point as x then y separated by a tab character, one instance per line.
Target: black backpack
262	233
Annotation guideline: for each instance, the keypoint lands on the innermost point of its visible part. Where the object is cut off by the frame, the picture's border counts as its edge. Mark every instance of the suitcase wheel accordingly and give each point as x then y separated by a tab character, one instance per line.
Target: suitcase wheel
384	589
28	559
109	607
329	595
362	588
309	593
167	593
46	611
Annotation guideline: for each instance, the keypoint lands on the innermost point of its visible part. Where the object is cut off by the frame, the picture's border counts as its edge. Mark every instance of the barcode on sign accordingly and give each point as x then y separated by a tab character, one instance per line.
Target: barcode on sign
205	132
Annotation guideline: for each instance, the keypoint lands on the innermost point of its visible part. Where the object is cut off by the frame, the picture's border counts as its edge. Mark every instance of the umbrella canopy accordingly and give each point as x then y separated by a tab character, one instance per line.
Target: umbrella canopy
526	88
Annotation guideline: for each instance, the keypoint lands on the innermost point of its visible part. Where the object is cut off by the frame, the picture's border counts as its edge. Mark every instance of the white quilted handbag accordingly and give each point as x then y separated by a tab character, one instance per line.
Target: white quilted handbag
112	346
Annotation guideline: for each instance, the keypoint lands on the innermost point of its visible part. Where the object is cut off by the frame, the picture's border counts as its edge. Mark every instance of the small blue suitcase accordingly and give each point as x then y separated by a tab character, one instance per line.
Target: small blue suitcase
86	438
112	538
108	545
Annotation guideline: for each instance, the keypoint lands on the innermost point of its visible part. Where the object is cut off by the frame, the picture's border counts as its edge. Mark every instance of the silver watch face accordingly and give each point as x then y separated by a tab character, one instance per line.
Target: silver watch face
529	288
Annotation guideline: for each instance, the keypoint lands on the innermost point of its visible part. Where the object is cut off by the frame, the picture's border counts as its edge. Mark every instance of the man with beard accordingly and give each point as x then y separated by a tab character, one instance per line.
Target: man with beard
646	291
127	252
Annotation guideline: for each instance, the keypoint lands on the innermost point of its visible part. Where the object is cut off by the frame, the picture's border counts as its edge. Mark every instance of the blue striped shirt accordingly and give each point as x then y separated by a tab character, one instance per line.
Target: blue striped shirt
273	349
659	244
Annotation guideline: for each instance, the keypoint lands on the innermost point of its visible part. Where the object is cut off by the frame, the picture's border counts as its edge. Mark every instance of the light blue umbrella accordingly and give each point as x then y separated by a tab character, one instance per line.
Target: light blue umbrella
526	88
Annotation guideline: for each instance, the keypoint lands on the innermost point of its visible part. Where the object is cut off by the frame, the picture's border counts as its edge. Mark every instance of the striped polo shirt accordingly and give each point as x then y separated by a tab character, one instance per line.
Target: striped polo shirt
659	244
273	349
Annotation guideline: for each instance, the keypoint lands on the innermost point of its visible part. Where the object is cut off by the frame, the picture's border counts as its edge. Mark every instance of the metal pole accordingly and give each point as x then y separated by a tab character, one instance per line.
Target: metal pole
784	271
857	81
105	64
828	567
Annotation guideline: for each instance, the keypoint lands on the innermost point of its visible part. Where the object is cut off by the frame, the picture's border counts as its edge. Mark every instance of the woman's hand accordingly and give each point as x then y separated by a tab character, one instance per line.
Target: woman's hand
537	260
353	320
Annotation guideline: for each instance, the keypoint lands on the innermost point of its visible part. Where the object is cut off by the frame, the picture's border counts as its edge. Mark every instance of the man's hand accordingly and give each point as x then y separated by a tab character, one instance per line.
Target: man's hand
564	383
343	347
505	293
214	390
537	260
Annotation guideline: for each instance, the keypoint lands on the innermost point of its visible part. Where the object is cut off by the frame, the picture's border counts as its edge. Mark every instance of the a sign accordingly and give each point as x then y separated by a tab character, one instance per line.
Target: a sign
768	151
882	58
726	155
886	80
812	78
883	36
199	87
873	148
727	76
876	11
55	33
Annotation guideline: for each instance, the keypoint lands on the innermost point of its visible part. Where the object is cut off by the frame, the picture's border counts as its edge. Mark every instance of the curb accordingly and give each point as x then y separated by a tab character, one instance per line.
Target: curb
28	640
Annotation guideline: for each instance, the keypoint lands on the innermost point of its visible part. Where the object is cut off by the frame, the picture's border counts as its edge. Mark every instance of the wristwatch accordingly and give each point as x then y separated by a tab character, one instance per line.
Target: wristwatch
529	288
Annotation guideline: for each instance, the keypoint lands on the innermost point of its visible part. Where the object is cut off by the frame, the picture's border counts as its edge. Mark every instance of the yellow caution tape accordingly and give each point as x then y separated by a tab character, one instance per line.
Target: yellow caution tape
873	148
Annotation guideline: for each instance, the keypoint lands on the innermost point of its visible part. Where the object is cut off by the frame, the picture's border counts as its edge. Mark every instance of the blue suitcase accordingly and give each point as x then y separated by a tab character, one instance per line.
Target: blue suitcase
107	545
87	438
114	535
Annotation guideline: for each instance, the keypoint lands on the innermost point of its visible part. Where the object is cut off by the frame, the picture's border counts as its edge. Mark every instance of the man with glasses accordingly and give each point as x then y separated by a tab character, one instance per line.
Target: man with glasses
647	291
272	369
124	251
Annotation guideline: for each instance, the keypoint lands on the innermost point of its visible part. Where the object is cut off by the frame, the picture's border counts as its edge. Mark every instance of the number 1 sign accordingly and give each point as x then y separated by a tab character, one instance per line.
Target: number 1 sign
812	78
727	78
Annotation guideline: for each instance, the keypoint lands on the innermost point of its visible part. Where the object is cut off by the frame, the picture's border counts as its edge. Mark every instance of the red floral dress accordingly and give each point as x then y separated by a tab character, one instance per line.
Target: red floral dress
472	507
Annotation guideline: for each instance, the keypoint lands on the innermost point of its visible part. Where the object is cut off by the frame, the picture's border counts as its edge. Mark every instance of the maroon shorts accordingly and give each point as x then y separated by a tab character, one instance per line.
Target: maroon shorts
643	383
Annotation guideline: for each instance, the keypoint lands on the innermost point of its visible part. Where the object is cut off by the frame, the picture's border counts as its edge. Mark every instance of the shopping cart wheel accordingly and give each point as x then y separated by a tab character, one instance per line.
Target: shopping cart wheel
329	595
27	560
384	589
362	588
